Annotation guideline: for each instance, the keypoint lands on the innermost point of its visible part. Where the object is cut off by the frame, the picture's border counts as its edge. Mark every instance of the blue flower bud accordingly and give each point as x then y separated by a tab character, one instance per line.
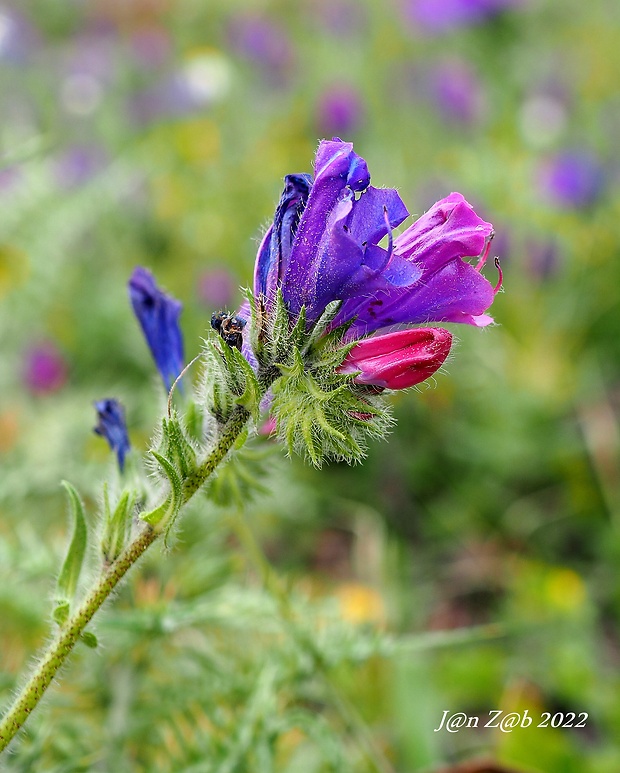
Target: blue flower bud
111	426
158	315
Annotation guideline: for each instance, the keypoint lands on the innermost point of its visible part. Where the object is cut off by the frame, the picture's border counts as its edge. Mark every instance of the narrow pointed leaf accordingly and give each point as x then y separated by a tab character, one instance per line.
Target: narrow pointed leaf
69	576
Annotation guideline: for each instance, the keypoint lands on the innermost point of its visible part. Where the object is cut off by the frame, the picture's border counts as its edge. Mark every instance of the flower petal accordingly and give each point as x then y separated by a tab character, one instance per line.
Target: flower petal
400	359
111	426
337	168
158	315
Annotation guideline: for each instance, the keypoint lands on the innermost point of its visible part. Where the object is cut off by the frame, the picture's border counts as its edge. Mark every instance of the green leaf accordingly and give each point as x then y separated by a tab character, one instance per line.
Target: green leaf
89	639
61	612
116	525
69	576
176	446
164	515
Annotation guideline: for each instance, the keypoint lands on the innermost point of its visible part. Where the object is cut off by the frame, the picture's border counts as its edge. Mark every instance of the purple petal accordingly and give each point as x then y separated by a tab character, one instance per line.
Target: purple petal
367	220
444	287
449	230
111	426
275	249
337	168
158	315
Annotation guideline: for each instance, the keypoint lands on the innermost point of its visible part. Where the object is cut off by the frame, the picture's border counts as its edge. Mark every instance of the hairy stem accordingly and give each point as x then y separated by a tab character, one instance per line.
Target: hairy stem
61	647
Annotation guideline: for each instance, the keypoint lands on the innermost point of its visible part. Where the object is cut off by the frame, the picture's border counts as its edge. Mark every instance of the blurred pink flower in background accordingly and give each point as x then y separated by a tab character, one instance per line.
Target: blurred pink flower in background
44	369
216	289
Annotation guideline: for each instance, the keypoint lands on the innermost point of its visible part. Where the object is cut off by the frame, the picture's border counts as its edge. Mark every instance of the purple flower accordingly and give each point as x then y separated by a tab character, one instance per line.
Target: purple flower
573	178
158	315
339	110
399	359
111	426
324	246
78	164
45	369
438	16
18	37
264	43
457	92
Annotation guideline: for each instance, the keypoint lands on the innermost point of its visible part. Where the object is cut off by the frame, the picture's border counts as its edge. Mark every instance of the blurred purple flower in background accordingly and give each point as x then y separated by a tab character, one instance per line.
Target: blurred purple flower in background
572	178
78	164
263	42
10	177
339	110
45	369
151	46
342	18
456	91
216	289
18	37
196	84
438	16
158	315
543	258
111	426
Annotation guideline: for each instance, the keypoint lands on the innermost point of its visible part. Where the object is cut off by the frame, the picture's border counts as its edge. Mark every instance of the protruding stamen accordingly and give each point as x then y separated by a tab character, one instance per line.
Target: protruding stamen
389	230
497	287
485	251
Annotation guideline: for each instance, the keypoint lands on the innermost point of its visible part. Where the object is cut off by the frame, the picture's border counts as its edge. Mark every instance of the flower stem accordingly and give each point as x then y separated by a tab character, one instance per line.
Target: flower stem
61	647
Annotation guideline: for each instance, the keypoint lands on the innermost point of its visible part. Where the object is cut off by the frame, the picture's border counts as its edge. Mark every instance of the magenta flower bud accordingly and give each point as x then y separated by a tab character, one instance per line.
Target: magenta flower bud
400	359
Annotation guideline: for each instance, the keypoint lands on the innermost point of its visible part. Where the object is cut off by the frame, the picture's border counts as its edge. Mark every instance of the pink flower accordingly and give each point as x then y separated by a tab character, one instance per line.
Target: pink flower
399	359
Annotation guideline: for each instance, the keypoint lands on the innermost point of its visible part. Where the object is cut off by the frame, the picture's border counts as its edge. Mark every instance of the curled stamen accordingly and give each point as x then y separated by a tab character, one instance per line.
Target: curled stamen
497	287
485	251
389	233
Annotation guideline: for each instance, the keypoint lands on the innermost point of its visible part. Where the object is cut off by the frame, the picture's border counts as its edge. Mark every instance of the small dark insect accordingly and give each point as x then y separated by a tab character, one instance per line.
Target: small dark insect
231	330
217	318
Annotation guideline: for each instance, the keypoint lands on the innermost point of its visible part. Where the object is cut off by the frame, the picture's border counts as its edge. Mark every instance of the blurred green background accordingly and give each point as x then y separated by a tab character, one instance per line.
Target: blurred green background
471	563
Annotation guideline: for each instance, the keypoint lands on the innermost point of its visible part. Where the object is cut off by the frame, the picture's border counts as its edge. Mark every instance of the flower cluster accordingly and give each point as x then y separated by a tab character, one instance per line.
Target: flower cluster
341	308
325	245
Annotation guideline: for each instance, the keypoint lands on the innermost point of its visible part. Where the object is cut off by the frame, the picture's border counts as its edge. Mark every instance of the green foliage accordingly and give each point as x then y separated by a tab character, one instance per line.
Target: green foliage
69	576
497	498
116	524
228	381
322	415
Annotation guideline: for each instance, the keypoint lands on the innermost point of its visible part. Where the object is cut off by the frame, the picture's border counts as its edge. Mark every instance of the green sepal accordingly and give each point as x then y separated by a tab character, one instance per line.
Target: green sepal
176	447
324	321
116	524
163	517
251	397
279	329
322	414
89	639
61	612
67	583
257	328
230	381
193	420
